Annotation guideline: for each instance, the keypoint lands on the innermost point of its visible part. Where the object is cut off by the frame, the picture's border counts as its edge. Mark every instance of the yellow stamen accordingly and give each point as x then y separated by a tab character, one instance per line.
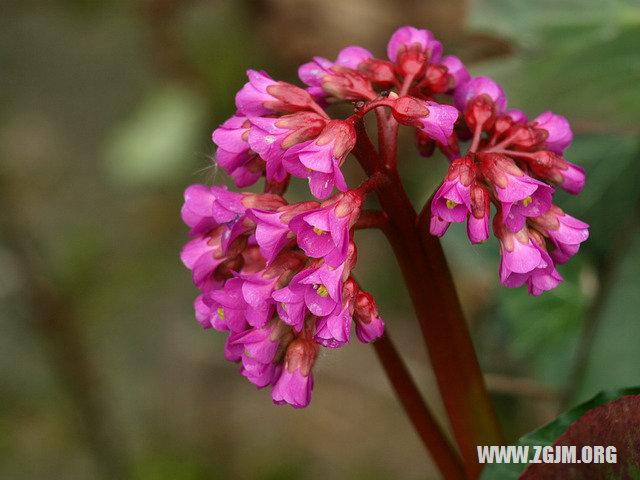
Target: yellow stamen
322	291
220	312
284	307
451	204
318	231
527	201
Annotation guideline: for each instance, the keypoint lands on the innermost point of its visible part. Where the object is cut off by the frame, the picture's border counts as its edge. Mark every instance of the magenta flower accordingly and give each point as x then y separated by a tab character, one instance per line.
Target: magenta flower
438	227
264	96
271	137
520	195
517	116
233	351
456	69
260	374
478	222
314	72
203	255
565	232
317	290
229	306
320	160
452	201
369	325
296	379
207	207
334	330
434	119
260	344
573	178
557	127
409	39
525	261
480	86
324	232
272	228
234	154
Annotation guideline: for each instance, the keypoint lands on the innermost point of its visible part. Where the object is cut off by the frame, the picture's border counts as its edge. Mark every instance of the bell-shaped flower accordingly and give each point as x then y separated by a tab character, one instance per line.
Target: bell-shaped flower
295	383
320	160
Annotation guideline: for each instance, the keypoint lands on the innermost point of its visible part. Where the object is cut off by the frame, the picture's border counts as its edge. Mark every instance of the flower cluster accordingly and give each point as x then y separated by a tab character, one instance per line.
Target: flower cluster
514	164
277	276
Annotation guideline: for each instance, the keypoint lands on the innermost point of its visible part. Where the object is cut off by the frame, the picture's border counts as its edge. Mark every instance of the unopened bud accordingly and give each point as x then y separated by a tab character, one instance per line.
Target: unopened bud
369	325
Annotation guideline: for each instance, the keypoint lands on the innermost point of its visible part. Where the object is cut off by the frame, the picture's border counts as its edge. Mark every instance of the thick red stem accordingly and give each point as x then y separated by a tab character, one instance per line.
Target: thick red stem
372	219
409	396
439	313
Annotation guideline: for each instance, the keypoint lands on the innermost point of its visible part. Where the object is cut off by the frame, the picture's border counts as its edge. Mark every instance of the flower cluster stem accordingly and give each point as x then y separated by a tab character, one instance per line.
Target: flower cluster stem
444	455
438	310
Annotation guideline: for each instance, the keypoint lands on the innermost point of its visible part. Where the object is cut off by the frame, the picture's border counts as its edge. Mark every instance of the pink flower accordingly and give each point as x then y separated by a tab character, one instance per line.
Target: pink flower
320	160
271	137
573	177
334	330
272	228
295	383
272	234
207	207
480	86
203	255
438	226
456	69
259	347
324	232
234	154
525	261
520	195
258	373
517	116
264	96
434	119
369	325
410	39
260	344
317	290
233	351
312	73
558	130
478	222
565	232
452	201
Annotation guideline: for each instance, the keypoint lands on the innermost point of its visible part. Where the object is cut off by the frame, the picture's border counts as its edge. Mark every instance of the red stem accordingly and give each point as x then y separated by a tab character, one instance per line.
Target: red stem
372	219
409	396
439	313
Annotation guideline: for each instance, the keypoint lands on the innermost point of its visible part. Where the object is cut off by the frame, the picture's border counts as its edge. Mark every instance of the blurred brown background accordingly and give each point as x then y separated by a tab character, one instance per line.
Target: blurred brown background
107	110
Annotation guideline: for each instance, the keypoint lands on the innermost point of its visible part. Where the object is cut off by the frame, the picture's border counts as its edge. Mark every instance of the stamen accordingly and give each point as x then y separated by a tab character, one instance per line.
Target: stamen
322	291
451	204
527	201
318	231
220	313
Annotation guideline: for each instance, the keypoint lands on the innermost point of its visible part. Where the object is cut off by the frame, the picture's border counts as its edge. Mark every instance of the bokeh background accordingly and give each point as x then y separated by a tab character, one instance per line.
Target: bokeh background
106	114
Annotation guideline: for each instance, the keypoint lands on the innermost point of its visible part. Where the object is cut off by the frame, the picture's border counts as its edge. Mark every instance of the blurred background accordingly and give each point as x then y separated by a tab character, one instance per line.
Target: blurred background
107	111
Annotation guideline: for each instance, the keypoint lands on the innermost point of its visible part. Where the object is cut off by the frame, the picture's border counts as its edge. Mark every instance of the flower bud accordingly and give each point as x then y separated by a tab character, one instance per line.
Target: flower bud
380	72
369	325
295	382
478	222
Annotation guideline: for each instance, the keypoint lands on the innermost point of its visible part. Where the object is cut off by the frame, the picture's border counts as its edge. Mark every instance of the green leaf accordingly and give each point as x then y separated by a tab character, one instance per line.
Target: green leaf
548	434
